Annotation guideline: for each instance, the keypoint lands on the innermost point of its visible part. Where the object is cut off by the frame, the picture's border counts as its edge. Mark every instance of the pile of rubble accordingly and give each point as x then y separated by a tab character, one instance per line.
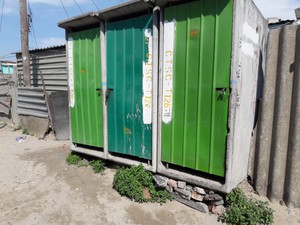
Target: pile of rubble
203	200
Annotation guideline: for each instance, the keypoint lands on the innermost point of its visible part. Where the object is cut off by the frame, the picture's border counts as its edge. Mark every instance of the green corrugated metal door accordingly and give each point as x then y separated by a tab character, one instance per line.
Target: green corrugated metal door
129	77
196	74
85	87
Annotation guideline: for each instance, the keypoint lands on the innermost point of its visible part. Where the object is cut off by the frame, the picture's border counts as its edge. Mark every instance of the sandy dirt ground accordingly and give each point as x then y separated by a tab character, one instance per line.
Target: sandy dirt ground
38	187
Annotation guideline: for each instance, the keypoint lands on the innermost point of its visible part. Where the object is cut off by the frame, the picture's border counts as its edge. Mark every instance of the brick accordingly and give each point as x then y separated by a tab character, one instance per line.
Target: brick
217	203
169	189
212	197
185	194
181	184
160	181
196	196
172	183
189	188
199	190
218	210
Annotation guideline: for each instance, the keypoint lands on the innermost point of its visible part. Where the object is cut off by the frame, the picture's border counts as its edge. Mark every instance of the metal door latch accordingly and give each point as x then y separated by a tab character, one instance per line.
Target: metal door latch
221	93
107	94
99	91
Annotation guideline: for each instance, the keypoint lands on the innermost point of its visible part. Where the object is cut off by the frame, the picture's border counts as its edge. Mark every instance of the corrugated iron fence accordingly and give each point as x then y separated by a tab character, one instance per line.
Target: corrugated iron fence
5	99
48	69
52	67
31	102
276	160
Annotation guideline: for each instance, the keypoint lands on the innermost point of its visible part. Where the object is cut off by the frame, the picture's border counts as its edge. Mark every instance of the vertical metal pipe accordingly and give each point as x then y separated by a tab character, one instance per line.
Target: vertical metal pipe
155	72
160	86
104	86
69	57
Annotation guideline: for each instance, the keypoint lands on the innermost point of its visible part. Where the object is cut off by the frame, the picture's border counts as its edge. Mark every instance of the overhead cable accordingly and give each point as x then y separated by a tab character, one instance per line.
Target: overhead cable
78	6
30	20
95	4
62	4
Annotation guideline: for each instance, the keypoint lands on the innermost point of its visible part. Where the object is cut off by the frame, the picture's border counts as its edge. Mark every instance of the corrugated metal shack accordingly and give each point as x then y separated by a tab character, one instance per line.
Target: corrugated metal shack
186	72
47	62
48	89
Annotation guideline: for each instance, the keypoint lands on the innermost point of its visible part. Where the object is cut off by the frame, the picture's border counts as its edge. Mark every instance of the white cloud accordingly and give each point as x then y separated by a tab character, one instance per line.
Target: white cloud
49	42
283	9
11	7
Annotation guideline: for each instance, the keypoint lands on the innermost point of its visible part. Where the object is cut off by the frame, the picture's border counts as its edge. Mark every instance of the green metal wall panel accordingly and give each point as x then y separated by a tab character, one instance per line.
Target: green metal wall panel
195	136
87	115
127	50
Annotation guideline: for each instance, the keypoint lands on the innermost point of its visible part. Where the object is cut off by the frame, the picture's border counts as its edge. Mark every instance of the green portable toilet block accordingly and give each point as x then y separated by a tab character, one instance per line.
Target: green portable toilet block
169	84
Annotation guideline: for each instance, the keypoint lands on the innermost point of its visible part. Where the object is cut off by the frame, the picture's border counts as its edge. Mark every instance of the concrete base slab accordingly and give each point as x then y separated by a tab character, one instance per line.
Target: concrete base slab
35	125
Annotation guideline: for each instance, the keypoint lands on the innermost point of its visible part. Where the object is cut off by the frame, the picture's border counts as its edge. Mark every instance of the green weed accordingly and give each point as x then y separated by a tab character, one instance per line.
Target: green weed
73	159
242	210
97	165
132	182
25	131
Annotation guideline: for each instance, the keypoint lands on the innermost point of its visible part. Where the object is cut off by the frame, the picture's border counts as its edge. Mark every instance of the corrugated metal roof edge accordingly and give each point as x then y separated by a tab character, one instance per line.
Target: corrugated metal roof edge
42	49
89	18
126	8
119	6
63	23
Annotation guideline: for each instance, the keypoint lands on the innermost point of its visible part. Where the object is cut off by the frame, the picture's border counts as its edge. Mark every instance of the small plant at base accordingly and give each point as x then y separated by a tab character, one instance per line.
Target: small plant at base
246	211
17	128
132	182
2	124
73	159
97	165
25	131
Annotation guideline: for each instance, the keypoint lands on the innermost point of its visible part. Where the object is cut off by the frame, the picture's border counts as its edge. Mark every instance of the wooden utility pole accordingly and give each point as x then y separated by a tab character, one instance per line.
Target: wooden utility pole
24	42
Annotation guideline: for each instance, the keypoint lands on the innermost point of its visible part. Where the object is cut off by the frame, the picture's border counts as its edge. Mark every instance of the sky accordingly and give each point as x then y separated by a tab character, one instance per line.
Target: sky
47	13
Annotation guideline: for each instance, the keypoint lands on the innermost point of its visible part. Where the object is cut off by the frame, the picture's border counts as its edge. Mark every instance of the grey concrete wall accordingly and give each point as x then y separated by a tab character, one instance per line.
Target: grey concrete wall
35	125
247	71
276	159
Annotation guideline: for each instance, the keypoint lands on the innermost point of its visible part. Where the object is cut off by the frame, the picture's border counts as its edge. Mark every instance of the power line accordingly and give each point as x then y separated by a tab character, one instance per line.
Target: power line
34	37
30	20
8	55
78	6
2	15
62	4
95	4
